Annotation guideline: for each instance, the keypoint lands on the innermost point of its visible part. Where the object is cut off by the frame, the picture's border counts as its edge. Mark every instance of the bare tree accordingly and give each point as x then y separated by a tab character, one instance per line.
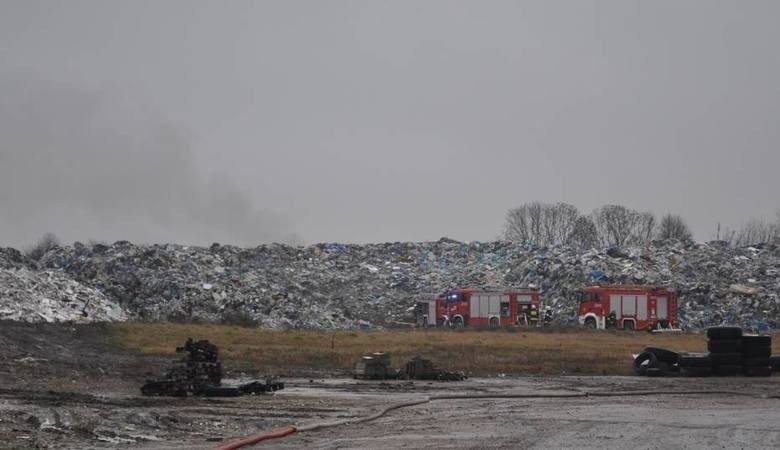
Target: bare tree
584	234
618	225
756	231
674	227
541	223
47	242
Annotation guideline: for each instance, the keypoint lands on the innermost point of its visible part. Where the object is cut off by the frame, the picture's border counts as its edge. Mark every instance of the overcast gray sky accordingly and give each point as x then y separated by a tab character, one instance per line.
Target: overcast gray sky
368	121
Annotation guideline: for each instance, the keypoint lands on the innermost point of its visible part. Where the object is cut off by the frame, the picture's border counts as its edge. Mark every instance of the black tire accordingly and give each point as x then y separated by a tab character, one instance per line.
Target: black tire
756	361
725	359
494	322
457	322
628	325
757	371
590	322
750	341
724	345
724	333
756	352
695	371
643	362
728	370
664	355
774	361
695	360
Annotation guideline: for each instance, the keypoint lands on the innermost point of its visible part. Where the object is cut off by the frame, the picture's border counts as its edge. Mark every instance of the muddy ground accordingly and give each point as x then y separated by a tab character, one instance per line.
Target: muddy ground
67	387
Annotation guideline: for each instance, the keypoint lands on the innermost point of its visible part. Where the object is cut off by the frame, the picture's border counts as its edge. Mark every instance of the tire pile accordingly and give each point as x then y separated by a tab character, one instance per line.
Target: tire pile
731	352
199	373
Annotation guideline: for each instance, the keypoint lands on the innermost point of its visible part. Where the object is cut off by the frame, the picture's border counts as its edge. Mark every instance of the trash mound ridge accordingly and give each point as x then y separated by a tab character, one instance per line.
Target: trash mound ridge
336	286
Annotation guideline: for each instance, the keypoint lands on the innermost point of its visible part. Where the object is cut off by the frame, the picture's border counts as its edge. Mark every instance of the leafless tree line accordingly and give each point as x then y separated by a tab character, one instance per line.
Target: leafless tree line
547	225
754	231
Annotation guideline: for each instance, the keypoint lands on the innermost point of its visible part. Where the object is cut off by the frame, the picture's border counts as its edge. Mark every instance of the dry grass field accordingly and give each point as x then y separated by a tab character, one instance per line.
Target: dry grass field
480	353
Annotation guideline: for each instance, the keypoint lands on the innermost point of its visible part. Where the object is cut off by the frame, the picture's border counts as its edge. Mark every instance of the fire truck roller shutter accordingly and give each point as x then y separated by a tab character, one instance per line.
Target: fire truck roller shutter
494	305
629	305
661	307
483	305
474	306
614	305
641	307
524	299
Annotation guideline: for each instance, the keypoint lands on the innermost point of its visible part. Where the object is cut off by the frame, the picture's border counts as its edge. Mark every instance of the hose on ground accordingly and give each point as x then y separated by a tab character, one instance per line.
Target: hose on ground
251	440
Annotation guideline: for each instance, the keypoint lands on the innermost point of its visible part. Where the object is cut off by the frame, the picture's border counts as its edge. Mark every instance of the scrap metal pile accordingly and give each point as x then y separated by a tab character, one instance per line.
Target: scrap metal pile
334	286
731	352
199	372
376	366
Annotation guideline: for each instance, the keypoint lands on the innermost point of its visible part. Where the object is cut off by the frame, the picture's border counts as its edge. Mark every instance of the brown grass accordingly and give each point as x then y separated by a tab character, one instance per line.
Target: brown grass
476	352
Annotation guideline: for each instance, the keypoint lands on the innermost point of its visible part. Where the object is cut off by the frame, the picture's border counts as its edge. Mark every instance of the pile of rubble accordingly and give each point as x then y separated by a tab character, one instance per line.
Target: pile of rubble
199	373
329	286
31	295
376	366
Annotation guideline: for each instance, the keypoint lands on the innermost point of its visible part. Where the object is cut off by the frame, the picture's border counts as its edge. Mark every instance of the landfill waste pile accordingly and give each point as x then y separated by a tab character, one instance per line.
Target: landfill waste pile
337	286
31	295
730	352
199	373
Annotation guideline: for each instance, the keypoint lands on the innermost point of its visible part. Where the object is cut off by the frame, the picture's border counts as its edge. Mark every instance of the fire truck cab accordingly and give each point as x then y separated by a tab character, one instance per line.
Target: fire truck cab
628	307
480	308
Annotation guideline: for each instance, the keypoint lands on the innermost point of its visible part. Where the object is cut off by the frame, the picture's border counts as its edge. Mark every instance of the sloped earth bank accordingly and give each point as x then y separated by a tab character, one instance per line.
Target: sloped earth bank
66	387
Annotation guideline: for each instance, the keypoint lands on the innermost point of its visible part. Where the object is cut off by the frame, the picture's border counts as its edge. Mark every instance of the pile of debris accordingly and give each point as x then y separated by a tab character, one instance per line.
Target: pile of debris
199	373
336	286
376	366
52	296
731	352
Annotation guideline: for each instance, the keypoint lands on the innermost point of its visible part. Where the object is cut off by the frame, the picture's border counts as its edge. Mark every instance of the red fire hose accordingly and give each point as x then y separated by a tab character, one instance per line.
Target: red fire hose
252	440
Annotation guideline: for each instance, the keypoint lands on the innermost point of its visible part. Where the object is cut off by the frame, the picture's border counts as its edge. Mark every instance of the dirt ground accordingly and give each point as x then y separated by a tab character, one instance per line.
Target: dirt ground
66	387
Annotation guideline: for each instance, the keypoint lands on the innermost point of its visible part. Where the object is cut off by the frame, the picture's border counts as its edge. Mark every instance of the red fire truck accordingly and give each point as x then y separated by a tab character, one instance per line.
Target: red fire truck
628	307
480	308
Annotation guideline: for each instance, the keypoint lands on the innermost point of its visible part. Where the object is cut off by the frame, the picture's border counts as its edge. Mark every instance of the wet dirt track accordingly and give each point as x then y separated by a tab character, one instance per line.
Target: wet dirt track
62	387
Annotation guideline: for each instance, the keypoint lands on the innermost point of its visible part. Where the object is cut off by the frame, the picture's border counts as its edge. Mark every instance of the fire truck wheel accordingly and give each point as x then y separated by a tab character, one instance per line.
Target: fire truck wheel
644	361
494	322
628	325
457	322
590	322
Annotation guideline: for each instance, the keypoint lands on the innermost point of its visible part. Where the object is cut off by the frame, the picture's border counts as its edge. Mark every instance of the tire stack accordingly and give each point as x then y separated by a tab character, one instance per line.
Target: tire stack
695	364
725	347
756	355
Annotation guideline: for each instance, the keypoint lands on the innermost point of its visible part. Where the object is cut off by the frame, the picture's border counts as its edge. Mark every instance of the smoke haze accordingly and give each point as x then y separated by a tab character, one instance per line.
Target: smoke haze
365	121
